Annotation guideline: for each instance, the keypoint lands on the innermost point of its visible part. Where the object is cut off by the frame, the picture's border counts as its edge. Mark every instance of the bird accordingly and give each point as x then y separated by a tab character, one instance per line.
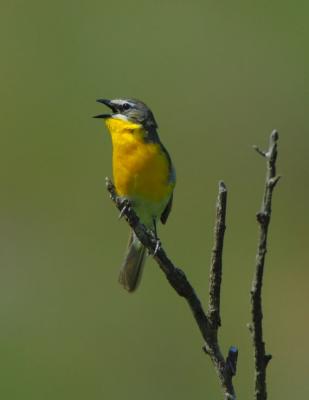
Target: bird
143	174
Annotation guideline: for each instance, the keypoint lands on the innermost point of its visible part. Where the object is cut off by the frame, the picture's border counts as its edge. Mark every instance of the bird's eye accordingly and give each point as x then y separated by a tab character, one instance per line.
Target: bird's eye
125	106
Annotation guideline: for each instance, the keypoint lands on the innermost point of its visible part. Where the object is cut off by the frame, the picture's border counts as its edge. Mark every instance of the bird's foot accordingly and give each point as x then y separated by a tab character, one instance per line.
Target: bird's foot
125	206
157	248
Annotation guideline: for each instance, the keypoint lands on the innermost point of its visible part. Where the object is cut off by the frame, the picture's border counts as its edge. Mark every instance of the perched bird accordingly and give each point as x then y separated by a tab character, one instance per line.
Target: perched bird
143	173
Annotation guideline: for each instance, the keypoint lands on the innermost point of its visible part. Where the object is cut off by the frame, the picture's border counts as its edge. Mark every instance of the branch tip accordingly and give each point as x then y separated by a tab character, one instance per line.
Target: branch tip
259	151
274	136
231	360
222	187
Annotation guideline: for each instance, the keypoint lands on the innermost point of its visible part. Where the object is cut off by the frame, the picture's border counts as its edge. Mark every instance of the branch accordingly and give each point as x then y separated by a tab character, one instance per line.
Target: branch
216	259
261	359
225	369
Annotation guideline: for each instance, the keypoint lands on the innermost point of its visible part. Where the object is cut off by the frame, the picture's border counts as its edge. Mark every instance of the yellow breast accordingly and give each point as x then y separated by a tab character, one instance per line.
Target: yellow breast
140	168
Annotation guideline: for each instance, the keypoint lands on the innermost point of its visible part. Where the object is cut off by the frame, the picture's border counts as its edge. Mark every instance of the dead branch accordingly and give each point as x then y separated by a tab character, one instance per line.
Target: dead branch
208	324
261	359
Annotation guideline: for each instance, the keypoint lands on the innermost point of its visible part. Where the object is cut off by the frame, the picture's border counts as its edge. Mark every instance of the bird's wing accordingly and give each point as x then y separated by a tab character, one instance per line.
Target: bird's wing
167	210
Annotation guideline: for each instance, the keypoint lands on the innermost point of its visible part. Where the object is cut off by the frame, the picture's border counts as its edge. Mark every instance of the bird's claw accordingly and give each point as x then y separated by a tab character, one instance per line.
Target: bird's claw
123	210
125	204
157	248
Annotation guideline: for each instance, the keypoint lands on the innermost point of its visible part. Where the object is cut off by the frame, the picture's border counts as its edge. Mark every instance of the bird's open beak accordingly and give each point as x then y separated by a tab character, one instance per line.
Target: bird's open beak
109	104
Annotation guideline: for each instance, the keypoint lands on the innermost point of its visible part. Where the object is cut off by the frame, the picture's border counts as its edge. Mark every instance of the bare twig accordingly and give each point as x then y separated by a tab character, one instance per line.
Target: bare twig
216	260
208	325
263	217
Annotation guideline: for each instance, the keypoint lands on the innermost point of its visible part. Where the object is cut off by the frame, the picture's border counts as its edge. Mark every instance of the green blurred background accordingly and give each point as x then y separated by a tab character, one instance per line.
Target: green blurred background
219	77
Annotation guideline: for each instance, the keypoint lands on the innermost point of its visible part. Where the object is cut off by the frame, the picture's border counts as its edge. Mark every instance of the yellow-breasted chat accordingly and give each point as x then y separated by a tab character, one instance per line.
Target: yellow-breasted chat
143	173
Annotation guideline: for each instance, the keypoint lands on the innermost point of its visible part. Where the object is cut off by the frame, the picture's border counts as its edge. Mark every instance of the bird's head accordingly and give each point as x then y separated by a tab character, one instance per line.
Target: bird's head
129	109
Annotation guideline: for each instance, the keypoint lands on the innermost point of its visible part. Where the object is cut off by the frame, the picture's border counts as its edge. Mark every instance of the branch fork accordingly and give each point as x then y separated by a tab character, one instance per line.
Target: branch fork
209	322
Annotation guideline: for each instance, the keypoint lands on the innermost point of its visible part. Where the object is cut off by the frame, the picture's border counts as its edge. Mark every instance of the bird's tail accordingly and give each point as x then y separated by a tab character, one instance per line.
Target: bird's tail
132	267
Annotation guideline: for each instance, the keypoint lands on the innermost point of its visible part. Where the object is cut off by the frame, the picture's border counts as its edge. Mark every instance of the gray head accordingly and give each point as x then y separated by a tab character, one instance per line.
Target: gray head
131	109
